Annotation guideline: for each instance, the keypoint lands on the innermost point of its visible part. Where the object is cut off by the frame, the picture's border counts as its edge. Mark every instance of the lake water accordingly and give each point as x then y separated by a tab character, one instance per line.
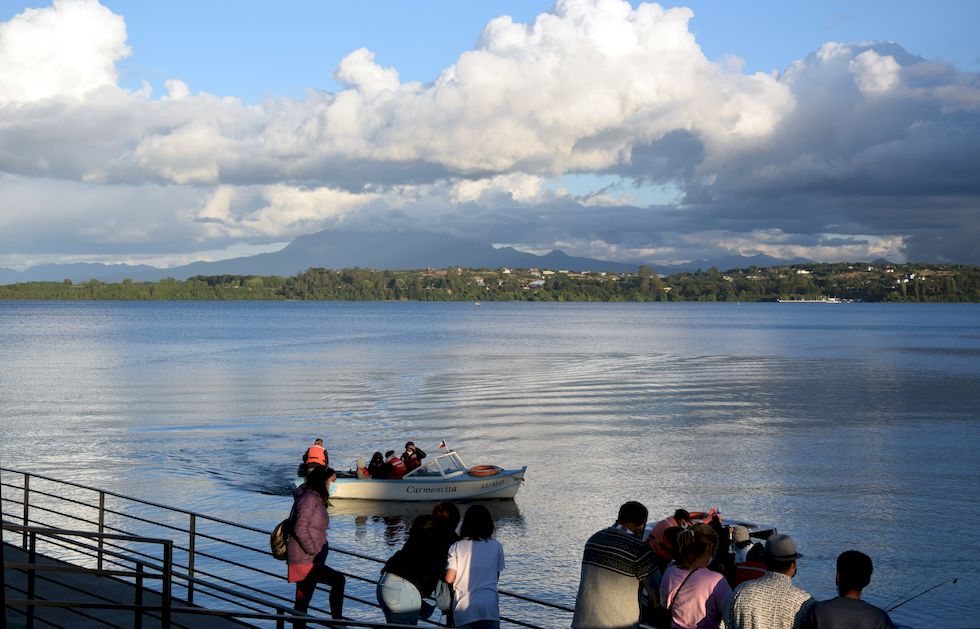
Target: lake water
846	426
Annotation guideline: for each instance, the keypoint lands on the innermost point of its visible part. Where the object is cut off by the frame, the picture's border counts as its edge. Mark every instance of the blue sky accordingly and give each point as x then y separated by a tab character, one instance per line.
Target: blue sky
187	130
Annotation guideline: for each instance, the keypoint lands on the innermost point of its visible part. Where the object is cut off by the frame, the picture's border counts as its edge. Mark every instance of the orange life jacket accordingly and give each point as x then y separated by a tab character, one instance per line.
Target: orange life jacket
658	539
316	455
398	468
748	570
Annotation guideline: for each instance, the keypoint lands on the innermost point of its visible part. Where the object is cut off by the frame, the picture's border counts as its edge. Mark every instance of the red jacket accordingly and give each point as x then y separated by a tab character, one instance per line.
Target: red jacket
398	468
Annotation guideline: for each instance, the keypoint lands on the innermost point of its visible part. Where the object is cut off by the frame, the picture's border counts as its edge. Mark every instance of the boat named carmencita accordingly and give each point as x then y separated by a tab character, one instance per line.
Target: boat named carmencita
444	477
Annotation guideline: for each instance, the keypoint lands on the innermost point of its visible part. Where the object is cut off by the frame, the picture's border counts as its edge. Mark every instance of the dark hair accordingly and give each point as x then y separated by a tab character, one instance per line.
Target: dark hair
695	542
389	453
477	523
756	553
377	458
447	511
318	441
682	514
633	512
421	523
854	570
316	480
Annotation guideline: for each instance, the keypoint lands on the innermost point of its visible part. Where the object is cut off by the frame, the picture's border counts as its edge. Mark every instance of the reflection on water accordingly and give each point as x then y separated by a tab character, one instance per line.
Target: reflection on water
397	517
842	426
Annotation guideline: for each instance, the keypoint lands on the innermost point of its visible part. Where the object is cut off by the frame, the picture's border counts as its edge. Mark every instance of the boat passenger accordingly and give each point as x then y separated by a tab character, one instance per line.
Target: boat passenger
307	548
473	569
753	567
412	456
397	466
741	543
694	595
315	455
658	541
377	467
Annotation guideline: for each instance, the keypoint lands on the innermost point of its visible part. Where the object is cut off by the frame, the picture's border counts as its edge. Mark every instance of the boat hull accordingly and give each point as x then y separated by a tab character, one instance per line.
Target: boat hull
463	486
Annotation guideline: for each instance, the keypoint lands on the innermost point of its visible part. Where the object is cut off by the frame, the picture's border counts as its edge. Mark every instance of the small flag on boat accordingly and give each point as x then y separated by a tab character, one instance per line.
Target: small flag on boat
442	444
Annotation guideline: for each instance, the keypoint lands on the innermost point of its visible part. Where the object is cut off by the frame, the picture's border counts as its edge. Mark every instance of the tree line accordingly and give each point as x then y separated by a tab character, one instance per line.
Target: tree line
857	282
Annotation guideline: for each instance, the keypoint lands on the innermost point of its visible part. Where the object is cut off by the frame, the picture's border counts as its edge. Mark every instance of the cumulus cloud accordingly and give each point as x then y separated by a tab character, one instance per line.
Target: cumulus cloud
68	49
864	141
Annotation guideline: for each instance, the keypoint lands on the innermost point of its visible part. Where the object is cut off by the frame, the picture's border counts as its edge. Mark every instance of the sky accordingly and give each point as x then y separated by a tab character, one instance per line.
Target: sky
164	133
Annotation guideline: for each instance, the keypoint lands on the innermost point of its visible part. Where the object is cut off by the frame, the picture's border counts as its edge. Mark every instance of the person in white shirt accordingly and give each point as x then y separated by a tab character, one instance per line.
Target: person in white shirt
473	570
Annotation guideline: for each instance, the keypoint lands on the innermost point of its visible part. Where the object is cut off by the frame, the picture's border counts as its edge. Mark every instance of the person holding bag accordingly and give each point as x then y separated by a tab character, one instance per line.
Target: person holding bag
306	552
694	596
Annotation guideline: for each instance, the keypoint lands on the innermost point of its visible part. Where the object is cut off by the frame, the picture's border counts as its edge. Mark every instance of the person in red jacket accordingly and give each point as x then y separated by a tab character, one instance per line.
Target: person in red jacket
398	468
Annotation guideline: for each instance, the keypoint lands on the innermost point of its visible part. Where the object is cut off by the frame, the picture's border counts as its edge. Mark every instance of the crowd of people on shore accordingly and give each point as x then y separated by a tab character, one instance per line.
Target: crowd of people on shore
679	573
682	574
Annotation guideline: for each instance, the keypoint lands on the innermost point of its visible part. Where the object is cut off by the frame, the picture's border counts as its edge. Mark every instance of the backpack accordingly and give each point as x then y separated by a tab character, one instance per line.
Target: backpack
279	539
443	595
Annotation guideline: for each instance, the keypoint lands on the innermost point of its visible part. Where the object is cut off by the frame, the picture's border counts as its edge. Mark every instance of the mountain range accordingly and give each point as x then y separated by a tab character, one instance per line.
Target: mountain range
370	250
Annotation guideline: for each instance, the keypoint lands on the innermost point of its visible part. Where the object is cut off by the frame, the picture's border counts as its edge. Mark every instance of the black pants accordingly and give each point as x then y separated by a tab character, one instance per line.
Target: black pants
321	573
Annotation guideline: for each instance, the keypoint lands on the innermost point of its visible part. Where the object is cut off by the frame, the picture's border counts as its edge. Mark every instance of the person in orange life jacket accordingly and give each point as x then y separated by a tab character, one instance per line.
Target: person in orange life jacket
658	540
412	456
315	455
398	468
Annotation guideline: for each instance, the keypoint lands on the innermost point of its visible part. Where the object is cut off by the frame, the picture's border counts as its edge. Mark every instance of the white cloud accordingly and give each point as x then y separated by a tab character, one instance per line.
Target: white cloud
68	49
874	73
595	87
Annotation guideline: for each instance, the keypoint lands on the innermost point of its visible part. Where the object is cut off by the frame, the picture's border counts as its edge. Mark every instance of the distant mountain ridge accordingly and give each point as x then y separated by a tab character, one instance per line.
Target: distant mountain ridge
370	250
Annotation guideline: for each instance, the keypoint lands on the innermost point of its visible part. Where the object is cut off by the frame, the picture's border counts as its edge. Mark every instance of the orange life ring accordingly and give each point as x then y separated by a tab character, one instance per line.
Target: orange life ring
699	515
485	470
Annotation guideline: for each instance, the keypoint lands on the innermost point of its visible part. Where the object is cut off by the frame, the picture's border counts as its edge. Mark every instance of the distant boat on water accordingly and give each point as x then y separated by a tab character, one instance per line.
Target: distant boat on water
821	300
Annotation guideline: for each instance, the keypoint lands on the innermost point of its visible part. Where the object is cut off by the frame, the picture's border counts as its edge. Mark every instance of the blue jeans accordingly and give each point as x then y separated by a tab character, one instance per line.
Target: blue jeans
400	600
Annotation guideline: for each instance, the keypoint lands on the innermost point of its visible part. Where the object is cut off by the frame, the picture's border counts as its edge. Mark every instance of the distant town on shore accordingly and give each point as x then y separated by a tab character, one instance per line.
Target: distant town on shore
865	282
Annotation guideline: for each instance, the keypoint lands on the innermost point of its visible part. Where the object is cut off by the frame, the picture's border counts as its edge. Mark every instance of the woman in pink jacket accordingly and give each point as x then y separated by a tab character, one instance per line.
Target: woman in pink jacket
695	595
307	548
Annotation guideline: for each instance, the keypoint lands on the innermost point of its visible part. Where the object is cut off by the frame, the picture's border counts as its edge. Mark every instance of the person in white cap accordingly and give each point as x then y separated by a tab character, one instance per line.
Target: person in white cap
771	601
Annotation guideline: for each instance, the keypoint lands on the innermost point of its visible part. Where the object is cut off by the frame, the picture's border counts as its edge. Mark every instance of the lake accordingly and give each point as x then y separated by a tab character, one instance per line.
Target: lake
846	426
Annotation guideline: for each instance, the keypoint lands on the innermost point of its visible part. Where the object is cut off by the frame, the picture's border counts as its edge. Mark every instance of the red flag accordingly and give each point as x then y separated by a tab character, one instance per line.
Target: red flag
442	444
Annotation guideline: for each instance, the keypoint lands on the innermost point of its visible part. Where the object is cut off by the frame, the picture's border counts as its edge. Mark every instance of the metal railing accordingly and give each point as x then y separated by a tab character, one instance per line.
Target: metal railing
214	562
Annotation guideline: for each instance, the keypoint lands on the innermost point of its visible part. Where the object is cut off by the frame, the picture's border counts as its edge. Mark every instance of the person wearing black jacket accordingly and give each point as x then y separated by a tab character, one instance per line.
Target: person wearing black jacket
412	572
412	456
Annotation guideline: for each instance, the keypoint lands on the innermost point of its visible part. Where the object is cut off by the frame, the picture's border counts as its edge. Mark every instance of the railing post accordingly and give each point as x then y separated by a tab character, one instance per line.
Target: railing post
280	623
167	587
138	603
27	502
192	535
31	572
101	525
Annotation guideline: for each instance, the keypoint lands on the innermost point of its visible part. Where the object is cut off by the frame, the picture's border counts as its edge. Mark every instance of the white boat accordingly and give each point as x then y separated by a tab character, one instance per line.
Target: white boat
444	477
820	300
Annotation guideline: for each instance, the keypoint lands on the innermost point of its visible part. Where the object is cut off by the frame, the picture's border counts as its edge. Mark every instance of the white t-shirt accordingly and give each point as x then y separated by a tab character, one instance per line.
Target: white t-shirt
477	565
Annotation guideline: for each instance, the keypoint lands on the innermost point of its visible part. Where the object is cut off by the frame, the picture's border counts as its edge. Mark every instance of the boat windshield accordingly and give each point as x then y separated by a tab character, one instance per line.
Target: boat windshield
444	465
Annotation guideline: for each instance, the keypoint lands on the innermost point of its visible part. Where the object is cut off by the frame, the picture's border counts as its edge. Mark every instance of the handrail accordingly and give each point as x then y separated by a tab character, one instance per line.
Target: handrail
194	577
31	567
